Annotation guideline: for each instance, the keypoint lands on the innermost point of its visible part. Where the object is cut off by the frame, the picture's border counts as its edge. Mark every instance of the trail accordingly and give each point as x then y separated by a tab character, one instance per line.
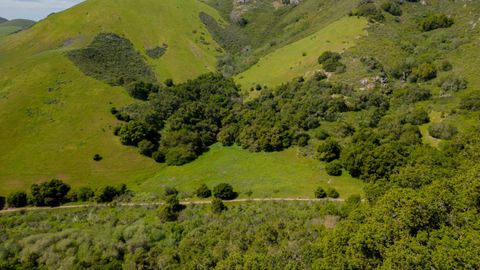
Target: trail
76	206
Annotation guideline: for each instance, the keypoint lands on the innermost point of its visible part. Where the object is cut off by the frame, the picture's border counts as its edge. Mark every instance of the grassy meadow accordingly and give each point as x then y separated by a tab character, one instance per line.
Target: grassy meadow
278	174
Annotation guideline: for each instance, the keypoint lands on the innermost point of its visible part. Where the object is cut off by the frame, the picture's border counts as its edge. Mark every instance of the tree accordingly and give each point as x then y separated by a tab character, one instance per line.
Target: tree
85	194
203	191
332	193
170	210
109	193
471	102
442	130
147	148
334	168
51	193
17	199
320	193
328	150
218	206
435	21
224	191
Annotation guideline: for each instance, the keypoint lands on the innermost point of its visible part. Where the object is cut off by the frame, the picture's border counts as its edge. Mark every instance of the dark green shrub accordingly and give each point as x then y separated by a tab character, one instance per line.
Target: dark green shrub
329	55
218	206
321	134
435	21
320	193
109	193
203	191
224	191
328	150
446	66
334	168
442	131
158	156
416	117
97	157
180	155
2	202
133	132
332	193
85	194
51	193
141	90
412	94
471	102
169	82
147	148
370	11
392	8
167	213
170	191
17	199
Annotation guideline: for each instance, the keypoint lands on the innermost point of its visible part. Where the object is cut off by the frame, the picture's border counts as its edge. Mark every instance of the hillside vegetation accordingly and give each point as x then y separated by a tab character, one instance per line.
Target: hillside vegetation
9	27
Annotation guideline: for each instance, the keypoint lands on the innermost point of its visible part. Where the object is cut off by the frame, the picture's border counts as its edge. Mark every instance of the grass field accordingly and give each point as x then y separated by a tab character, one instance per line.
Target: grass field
9	27
278	174
300	58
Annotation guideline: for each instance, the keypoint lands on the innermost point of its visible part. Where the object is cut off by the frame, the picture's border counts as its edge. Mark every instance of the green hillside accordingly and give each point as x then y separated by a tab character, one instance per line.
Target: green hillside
300	57
54	119
9	27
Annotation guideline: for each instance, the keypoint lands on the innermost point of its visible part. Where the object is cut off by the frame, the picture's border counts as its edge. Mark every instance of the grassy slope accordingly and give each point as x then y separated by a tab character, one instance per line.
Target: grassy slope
287	62
280	174
56	133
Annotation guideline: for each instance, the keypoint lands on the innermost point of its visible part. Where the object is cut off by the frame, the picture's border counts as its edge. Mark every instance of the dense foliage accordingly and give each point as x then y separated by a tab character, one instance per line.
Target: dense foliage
112	59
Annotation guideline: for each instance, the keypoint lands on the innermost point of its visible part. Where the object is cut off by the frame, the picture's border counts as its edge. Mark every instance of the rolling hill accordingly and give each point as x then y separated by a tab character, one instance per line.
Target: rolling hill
48	105
8	27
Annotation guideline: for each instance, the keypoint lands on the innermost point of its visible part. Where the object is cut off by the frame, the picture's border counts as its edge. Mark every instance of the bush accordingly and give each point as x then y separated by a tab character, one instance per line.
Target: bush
452	83
97	157
354	199
147	148
370	11
85	194
320	193
446	66
133	132
218	206
332	193
435	21
413	94
17	199
158	156
334	168
471	102
224	191
416	117
442	131
392	8
157	52
203	191
329	55
52	193
170	191
180	155
2	202
141	90
424	72
109	193
329	150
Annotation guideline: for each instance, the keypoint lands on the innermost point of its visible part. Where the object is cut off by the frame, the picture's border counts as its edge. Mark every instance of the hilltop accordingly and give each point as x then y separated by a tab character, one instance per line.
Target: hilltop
8	27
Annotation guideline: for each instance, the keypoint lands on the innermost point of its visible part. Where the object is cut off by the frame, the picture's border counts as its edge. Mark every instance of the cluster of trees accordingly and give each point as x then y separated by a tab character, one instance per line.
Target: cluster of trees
331	62
55	192
435	21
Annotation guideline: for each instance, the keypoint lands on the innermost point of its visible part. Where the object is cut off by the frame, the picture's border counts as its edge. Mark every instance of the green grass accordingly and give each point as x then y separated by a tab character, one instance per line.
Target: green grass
12	26
277	174
288	62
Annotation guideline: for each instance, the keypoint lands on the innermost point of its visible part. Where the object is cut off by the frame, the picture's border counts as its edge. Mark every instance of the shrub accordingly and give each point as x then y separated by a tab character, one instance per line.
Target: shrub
170	191
471	102
334	168
109	193
157	52
320	193
370	11
435	21
452	83
180	155
85	194
329	55
51	193
224	191
446	66
166	213
141	90
169	82
158	156
392	8
413	94
424	72
147	148
416	117
97	157
17	199
332	193
442	130
218	206
2	202
203	191
329	150
133	132
321	134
